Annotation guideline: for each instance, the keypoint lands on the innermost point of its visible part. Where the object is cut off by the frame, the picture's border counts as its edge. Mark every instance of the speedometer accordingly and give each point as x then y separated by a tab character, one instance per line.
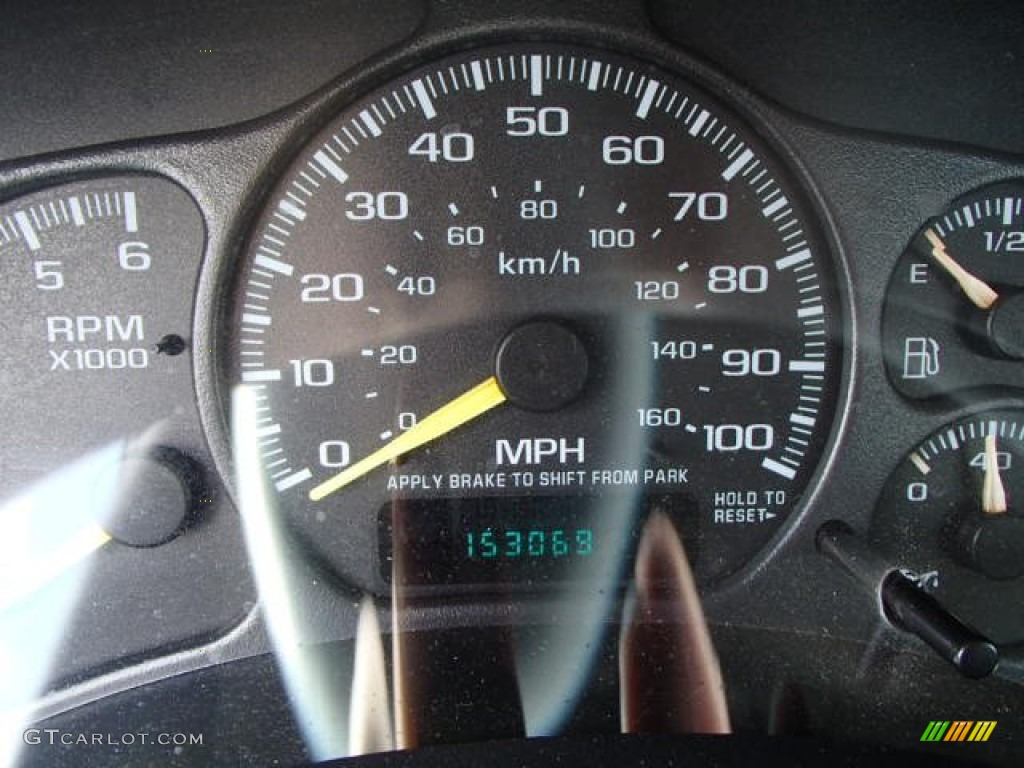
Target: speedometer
503	307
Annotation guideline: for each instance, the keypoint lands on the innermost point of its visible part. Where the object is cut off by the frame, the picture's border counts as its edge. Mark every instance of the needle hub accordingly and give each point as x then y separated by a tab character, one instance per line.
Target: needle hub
1006	326
991	546
156	496
542	366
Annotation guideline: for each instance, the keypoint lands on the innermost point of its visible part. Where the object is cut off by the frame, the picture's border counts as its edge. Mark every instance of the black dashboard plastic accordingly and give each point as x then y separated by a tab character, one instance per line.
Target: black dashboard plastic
891	111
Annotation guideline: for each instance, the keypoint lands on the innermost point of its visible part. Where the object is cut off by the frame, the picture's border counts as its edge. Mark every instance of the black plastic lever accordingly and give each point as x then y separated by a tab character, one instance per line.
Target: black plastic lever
906	605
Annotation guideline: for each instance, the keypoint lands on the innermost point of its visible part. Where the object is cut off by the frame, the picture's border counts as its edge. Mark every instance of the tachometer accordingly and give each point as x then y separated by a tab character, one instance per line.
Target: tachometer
522	296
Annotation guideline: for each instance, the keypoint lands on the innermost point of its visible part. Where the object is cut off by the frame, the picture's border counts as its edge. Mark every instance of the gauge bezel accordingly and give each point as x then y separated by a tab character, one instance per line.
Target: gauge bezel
635	44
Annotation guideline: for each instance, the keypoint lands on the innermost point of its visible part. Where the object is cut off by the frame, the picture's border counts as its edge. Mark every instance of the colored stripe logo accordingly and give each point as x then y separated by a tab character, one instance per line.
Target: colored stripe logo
958	730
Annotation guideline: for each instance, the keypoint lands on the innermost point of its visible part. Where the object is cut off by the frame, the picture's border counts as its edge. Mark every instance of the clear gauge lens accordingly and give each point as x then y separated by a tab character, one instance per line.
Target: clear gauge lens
954	311
951	514
527	295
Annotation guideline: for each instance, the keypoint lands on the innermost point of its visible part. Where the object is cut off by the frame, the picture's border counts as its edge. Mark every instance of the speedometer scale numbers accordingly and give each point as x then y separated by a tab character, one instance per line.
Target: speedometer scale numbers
560	282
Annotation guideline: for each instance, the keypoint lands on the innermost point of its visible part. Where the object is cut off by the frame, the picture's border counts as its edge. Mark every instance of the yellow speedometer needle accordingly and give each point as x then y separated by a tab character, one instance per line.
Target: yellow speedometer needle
993	494
977	290
466	407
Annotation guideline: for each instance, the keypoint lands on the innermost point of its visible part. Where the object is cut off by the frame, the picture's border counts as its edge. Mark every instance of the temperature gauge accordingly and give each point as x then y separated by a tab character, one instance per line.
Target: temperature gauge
954	313
951	513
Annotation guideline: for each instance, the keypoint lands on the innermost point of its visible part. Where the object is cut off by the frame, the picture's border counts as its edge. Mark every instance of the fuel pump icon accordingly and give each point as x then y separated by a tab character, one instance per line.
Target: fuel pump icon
920	357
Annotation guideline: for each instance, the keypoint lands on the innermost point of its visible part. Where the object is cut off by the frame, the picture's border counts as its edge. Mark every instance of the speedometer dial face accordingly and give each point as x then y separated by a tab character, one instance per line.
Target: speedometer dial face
525	295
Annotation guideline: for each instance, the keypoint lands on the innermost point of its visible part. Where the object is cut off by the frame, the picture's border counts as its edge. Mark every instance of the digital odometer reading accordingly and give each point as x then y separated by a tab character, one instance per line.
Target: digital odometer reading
514	541
537	271
527	540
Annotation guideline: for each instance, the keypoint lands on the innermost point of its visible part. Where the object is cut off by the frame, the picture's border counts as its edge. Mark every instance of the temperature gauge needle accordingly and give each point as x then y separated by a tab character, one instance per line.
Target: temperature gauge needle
978	291
993	494
466	407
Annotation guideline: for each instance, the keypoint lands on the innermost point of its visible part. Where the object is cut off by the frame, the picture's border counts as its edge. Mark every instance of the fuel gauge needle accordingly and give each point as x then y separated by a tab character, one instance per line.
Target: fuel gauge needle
464	408
978	291
993	493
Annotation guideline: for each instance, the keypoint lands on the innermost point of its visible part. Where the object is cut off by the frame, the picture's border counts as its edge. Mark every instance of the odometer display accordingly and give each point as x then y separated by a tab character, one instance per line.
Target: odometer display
531	540
554	272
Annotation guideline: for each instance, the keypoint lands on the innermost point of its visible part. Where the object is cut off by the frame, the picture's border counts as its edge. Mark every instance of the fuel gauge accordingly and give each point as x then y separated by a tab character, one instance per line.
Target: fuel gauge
954	311
952	515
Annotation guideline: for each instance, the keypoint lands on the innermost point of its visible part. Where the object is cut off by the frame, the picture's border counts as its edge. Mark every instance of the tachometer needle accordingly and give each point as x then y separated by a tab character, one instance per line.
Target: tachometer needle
993	494
466	407
27	578
977	290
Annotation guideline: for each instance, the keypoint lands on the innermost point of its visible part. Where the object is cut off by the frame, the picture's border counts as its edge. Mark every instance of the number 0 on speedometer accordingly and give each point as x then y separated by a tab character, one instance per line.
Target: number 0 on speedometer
525	295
